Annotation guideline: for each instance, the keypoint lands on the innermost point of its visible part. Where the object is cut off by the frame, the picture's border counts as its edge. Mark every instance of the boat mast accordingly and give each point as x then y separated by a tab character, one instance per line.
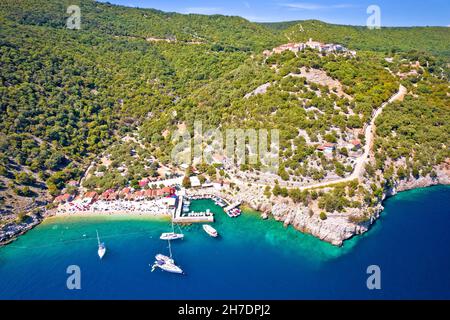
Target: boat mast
170	249
98	239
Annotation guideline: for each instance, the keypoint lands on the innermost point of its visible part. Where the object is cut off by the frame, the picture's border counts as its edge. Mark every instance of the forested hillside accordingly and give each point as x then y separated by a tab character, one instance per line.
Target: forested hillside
66	96
227	33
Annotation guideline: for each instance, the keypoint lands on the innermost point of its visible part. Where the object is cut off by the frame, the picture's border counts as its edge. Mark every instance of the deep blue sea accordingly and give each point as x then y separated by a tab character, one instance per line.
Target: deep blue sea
252	258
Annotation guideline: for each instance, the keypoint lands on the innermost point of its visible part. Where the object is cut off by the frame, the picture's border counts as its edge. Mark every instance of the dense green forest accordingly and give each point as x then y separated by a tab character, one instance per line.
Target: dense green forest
66	96
415	132
226	33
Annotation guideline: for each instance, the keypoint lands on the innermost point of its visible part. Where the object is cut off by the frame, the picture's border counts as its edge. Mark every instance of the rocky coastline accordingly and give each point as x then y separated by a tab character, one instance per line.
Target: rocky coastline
10	231
335	229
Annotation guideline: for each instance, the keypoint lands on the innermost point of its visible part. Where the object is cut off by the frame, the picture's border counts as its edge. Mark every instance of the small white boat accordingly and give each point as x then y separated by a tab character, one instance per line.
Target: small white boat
172	235
210	230
101	247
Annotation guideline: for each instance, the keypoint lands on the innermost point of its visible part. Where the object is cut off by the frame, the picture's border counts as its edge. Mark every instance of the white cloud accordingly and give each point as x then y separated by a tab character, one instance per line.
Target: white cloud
314	6
203	10
247	5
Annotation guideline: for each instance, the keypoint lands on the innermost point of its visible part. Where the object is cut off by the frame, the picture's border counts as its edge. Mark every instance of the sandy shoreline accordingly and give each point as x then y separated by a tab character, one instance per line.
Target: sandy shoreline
109	214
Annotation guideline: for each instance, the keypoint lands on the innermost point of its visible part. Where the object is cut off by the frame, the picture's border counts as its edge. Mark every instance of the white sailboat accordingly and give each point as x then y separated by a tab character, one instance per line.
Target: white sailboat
171	235
161	257
101	247
166	263
169	267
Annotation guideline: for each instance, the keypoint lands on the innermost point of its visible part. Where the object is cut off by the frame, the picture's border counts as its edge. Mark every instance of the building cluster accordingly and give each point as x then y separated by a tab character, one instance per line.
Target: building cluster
125	194
321	47
329	147
147	181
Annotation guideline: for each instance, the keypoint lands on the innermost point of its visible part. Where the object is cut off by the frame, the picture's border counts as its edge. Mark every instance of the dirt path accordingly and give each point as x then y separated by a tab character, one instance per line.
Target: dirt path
360	161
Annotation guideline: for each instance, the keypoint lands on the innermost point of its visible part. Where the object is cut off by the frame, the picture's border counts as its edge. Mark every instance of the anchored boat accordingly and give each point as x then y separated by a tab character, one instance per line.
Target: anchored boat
171	235
166	266
161	257
210	230
166	263
101	247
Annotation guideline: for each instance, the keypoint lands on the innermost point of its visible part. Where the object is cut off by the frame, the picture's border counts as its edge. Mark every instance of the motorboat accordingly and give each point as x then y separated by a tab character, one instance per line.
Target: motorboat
210	230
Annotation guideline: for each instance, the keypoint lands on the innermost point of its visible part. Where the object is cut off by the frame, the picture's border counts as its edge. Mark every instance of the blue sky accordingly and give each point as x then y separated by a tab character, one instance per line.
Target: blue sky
393	12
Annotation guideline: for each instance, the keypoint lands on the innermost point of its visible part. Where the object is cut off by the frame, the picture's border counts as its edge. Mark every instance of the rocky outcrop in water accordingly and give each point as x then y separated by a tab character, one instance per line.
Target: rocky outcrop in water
442	177
11	230
334	229
337	228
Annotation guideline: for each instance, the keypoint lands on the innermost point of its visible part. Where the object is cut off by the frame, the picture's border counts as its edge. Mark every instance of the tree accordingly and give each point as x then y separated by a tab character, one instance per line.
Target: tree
296	195
186	182
21	217
25	178
134	184
267	192
343	151
202	179
283	174
211	171
276	190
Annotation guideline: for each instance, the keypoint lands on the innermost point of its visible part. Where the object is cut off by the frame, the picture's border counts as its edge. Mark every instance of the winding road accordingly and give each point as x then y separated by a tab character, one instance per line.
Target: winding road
360	161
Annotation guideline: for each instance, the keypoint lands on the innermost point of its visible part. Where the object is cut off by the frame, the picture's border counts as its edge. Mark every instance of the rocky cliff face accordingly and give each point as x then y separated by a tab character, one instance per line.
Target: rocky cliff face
337	228
442	177
11	230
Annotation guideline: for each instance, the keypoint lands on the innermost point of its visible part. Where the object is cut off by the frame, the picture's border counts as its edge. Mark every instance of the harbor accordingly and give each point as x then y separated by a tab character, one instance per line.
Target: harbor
300	263
183	214
168	202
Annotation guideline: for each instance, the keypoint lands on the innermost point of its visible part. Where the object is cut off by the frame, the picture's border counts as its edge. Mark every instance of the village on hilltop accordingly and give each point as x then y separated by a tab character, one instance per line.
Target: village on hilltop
315	45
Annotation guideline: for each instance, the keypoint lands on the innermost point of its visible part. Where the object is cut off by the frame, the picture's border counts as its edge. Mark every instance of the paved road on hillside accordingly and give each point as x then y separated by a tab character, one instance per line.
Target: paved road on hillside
360	161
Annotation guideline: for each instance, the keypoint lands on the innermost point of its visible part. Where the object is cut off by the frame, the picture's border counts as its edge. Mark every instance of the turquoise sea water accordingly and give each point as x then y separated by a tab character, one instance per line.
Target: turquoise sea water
252	258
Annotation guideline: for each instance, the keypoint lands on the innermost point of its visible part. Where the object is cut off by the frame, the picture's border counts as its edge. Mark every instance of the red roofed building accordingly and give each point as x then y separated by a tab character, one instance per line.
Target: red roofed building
143	182
356	143
124	192
105	195
112	196
139	194
326	147
72	183
168	191
151	193
63	198
90	196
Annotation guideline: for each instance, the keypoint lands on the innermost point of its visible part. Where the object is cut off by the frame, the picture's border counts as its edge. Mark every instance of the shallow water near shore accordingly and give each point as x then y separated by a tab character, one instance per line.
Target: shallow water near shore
252	258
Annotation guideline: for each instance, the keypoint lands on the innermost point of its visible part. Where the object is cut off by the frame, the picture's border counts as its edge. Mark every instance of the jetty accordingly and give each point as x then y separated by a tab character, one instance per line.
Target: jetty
190	217
232	206
232	210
